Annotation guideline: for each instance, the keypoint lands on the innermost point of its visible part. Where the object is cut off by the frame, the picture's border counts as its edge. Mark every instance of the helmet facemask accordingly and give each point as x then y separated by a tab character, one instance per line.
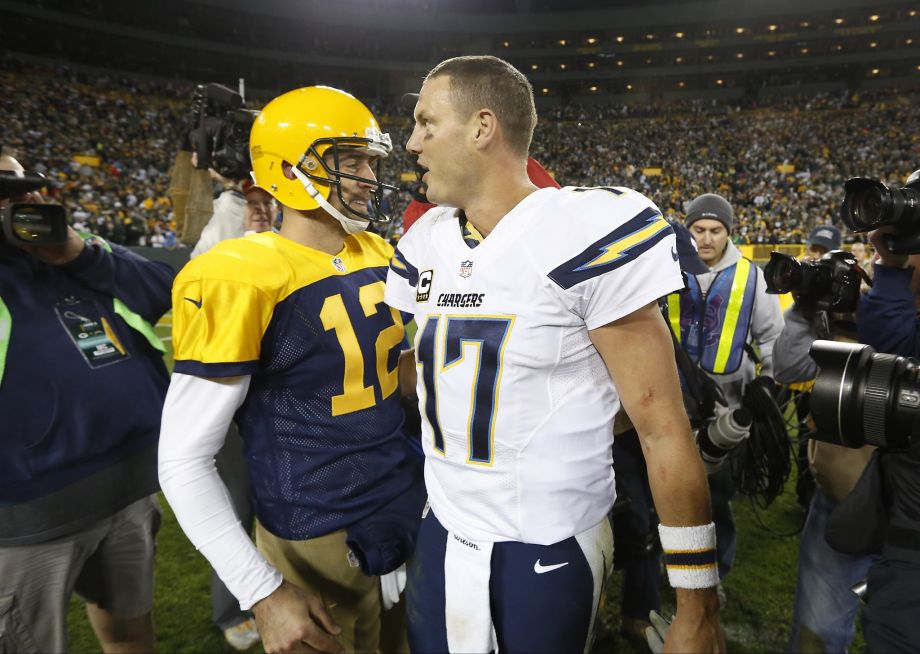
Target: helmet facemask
375	143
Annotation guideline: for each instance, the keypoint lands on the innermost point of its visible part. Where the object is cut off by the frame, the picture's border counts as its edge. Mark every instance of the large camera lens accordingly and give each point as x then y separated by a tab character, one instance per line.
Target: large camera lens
862	397
870	204
782	273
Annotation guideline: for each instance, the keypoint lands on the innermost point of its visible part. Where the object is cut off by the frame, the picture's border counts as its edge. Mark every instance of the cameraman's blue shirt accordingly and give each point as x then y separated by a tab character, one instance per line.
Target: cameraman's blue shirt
887	317
82	391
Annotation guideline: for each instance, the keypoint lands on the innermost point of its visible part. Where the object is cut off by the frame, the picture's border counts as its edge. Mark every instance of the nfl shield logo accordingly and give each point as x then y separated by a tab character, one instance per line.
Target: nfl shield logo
466	268
339	264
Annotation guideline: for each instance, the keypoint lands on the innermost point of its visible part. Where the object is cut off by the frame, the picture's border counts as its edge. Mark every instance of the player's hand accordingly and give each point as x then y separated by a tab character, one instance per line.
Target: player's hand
294	620
696	627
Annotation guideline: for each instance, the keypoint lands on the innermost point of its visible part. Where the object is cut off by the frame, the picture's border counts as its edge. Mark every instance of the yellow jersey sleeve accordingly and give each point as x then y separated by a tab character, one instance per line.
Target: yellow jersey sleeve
220	314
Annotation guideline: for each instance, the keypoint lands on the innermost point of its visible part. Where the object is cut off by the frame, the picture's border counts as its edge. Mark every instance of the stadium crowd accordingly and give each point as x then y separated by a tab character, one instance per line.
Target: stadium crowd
781	164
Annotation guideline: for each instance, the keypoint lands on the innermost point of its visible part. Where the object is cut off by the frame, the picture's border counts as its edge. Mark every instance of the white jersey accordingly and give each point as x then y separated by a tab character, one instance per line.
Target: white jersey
517	404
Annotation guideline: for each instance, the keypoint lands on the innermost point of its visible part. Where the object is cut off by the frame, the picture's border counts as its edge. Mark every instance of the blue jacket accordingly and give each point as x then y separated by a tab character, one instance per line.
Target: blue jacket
81	390
887	317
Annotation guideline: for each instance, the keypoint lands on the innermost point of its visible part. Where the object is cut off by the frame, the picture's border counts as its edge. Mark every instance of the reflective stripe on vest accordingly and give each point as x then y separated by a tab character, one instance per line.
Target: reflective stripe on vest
6	326
132	318
714	332
732	313
674	314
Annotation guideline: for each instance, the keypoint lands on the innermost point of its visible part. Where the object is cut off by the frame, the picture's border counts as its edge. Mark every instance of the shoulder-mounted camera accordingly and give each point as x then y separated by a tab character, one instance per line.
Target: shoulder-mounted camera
30	223
219	129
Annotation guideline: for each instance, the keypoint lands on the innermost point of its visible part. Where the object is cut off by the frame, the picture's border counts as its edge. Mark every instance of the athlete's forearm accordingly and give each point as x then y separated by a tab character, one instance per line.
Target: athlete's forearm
196	415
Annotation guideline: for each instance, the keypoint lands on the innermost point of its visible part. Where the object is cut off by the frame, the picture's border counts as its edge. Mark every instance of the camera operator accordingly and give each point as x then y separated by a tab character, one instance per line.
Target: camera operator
888	322
825	607
241	208
82	384
725	310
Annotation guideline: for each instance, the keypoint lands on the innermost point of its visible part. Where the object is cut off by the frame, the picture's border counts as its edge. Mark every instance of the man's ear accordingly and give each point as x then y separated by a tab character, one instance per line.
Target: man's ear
287	170
485	123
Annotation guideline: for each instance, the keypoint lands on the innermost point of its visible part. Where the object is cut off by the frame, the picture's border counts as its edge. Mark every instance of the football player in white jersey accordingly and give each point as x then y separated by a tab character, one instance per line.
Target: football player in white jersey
530	304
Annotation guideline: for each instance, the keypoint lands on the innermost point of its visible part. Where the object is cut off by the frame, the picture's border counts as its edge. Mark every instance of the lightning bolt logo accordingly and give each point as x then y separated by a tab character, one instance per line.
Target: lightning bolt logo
613	252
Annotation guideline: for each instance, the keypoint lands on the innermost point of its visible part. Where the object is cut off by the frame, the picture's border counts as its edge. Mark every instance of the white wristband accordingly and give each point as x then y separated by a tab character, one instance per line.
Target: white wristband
690	555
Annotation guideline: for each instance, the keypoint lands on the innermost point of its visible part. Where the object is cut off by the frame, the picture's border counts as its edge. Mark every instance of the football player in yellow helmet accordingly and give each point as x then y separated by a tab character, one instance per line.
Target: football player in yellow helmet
288	334
318	147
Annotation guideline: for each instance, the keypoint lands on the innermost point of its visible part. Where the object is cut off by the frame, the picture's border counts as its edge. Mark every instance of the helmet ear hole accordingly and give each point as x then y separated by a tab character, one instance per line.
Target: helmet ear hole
287	169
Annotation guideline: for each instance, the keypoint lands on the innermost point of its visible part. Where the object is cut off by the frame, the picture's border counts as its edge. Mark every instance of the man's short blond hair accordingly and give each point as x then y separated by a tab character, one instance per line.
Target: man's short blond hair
485	82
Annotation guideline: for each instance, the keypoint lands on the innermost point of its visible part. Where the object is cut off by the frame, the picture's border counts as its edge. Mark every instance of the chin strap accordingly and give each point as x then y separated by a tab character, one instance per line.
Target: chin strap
350	225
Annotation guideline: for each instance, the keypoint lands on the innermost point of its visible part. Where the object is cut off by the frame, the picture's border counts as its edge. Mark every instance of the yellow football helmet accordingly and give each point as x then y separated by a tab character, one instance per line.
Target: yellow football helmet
300	127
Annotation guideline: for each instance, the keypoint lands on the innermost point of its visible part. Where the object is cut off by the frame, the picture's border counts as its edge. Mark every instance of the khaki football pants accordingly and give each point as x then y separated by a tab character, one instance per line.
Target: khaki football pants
326	567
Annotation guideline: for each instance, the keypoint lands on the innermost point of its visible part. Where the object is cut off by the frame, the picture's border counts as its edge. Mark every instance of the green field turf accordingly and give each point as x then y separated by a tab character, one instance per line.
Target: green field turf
756	619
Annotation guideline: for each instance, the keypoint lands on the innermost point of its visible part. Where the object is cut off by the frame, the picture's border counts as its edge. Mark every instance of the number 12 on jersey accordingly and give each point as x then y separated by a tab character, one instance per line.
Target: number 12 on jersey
450	337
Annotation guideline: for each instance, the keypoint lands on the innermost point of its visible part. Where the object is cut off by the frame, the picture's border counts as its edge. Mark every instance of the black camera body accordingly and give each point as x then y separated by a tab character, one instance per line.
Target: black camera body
219	131
870	204
830	284
28	223
862	397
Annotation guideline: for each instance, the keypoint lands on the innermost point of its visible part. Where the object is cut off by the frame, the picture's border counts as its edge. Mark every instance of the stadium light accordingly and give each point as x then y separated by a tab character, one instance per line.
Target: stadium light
506	44
620	63
591	64
912	13
739	30
561	66
719	82
545	90
593	89
681	84
678	60
679	35
875	17
561	41
804	51
650	37
592	40
804	23
839	21
875	71
739	55
909	42
534	67
772	28
873	44
619	39
629	87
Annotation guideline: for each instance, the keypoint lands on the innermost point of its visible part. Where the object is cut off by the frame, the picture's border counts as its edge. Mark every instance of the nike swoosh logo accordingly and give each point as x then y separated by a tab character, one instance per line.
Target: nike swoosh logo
674	254
197	303
541	569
